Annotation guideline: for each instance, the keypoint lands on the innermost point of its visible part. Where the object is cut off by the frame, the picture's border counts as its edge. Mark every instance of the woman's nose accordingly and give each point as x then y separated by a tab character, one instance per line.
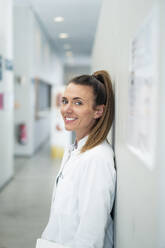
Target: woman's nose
68	108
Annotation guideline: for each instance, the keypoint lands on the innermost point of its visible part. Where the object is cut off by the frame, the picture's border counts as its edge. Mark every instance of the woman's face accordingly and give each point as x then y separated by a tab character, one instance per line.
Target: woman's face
77	109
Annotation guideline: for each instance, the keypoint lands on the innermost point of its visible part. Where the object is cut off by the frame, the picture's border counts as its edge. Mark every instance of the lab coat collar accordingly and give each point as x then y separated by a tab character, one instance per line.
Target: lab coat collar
72	150
81	143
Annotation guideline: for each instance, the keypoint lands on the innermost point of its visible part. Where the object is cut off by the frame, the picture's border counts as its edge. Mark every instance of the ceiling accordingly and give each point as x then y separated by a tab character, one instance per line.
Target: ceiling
80	22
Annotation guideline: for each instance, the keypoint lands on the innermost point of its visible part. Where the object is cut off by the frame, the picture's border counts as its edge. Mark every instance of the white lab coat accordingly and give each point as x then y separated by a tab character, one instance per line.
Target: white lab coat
82	199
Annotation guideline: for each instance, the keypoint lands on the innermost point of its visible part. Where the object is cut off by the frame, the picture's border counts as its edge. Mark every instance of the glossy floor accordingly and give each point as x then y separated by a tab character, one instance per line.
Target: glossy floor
25	201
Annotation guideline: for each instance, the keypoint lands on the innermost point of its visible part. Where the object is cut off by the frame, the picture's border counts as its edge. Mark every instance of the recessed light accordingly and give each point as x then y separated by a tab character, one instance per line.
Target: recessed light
69	53
63	35
58	19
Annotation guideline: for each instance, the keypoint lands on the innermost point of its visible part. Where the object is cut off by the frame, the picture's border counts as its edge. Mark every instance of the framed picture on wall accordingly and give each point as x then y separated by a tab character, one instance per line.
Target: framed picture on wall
42	98
8	64
142	109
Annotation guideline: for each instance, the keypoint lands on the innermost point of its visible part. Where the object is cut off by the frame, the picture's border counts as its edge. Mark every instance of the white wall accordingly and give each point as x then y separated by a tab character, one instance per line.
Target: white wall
6	88
140	218
35	58
160	172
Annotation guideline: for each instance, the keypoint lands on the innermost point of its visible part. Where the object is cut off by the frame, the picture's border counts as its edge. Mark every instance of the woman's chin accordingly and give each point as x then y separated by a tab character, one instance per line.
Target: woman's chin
68	128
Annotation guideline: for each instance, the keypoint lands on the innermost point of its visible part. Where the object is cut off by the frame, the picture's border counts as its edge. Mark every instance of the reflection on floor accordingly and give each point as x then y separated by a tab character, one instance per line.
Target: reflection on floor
25	202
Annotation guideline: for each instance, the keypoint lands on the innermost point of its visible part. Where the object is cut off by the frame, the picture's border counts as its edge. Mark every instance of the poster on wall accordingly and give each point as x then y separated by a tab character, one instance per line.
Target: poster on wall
8	65
141	133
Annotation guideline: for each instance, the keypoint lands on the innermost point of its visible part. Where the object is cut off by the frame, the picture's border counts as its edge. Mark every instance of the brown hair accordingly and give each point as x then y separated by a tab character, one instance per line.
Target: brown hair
101	84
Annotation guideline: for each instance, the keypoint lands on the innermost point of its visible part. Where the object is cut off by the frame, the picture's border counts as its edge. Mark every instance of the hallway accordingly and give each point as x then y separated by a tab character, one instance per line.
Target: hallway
25	201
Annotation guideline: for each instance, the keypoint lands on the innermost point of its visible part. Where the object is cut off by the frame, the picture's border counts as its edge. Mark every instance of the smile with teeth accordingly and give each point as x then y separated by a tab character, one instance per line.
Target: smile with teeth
70	119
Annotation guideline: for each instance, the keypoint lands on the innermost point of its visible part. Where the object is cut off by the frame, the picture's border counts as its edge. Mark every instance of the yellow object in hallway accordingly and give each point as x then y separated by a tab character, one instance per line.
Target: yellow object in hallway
57	152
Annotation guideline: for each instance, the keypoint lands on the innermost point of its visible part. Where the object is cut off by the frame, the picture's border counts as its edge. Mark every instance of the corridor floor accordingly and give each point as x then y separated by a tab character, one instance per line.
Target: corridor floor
25	201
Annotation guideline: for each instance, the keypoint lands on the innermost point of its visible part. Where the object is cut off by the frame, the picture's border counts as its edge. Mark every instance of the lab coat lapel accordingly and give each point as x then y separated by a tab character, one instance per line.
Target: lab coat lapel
66	157
70	152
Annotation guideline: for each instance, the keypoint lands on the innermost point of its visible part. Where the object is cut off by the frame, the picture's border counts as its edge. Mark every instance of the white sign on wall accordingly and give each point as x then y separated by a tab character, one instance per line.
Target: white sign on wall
143	90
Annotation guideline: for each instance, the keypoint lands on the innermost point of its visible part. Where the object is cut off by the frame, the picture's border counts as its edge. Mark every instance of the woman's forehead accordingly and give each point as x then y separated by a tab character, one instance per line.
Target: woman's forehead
81	91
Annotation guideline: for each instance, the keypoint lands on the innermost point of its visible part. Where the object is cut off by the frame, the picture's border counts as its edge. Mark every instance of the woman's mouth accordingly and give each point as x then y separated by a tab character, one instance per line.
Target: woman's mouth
69	119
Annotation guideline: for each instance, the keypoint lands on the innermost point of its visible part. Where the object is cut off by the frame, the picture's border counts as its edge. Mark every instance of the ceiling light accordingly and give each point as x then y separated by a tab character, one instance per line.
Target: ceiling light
69	53
59	19
63	35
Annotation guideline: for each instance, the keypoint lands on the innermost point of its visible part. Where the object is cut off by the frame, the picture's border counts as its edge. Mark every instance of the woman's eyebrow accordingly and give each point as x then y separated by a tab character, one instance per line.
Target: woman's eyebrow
74	98
77	98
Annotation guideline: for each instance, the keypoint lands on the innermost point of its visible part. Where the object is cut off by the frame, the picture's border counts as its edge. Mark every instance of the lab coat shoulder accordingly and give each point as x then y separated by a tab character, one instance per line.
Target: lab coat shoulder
101	156
98	167
103	151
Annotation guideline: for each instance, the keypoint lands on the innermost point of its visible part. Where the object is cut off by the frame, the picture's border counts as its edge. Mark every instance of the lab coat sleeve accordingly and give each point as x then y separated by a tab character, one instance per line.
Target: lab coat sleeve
95	200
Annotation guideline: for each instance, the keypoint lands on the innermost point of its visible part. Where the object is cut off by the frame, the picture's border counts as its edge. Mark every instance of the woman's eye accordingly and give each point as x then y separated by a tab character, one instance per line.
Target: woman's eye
78	103
64	101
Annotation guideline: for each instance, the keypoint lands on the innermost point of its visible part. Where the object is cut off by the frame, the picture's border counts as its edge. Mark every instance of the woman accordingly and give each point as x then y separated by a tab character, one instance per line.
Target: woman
85	185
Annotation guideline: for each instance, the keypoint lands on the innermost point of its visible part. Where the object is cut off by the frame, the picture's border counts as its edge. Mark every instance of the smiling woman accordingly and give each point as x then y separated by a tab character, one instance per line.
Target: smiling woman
77	109
85	185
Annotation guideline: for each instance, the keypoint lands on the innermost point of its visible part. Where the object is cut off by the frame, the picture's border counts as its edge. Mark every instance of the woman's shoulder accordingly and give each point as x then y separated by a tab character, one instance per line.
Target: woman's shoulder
103	151
99	159
102	148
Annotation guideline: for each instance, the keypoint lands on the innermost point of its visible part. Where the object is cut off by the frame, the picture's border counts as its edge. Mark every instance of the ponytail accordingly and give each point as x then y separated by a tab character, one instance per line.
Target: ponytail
100	131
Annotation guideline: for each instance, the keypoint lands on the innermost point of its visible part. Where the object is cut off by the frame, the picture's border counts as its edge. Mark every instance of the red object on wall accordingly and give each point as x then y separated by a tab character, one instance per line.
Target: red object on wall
23	134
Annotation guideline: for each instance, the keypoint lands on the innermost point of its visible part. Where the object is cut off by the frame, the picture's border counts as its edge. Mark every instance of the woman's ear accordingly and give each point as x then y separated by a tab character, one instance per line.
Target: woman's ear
99	111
